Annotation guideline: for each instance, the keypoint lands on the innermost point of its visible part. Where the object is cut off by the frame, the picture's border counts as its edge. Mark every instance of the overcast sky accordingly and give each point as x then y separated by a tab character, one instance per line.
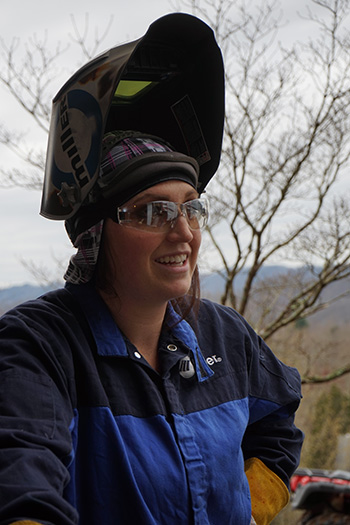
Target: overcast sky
24	234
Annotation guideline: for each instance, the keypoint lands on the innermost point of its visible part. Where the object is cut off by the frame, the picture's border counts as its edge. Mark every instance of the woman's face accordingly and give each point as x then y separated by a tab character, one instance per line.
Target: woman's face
153	267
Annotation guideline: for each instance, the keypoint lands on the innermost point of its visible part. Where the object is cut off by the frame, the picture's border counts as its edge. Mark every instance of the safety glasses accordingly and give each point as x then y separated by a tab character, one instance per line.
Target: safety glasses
158	216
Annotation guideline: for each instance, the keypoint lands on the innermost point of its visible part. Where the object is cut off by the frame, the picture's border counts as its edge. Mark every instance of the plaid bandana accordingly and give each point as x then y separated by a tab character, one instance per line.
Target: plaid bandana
121	147
82	264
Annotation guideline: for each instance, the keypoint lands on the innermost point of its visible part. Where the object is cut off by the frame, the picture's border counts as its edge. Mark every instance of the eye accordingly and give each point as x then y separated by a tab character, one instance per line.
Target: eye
159	208
197	213
194	208
160	212
140	213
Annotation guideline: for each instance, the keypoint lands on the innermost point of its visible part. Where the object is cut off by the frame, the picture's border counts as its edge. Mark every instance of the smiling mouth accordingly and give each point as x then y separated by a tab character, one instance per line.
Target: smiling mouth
174	260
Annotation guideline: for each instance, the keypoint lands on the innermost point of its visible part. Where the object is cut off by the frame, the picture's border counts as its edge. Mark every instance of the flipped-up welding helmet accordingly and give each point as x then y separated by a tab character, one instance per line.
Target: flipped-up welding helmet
169	83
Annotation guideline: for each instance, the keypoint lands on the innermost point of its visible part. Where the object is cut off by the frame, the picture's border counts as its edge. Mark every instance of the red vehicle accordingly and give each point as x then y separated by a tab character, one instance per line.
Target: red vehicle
323	494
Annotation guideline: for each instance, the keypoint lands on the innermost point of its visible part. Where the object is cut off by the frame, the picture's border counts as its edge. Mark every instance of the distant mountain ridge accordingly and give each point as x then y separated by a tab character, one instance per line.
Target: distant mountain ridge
212	287
14	295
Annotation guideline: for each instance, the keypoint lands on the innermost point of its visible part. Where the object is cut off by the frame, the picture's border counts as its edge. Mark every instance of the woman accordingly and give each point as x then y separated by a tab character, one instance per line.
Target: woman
123	398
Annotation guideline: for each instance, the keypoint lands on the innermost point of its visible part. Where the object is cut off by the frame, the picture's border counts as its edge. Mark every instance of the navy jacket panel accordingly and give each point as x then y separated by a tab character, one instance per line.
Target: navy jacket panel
97	431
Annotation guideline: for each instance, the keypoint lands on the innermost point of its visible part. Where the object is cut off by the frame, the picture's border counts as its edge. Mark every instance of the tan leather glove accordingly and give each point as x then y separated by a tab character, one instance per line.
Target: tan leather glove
267	491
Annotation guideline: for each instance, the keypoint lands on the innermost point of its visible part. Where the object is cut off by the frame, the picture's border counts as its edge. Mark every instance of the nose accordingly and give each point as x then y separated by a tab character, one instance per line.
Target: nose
180	230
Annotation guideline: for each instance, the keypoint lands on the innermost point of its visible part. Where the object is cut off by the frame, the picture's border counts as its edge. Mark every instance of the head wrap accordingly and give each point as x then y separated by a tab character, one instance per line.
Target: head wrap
82	265
131	163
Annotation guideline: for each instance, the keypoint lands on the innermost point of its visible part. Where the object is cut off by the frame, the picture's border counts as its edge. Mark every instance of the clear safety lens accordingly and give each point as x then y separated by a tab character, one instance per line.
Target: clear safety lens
157	215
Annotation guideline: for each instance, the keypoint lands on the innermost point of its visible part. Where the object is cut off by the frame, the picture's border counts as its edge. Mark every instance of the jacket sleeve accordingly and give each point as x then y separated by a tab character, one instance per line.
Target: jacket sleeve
272	443
35	416
271	389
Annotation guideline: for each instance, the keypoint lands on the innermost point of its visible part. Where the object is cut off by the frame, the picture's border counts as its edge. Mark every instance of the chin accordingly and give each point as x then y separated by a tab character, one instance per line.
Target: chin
180	292
175	289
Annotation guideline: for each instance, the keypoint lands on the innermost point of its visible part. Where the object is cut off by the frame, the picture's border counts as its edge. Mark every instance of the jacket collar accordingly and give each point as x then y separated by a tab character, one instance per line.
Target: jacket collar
109	339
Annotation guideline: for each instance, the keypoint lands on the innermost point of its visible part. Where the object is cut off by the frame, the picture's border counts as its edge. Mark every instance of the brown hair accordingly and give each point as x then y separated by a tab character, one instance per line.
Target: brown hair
188	305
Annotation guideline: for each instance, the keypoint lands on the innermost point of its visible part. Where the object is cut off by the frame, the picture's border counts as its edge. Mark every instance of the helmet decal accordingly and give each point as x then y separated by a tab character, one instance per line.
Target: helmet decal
76	155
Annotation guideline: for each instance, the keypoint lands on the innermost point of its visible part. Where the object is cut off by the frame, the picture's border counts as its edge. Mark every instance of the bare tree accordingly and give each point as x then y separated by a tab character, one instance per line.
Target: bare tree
286	148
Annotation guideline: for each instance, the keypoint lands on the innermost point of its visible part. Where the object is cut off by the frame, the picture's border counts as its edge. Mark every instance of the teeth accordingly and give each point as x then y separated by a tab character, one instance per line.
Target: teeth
173	259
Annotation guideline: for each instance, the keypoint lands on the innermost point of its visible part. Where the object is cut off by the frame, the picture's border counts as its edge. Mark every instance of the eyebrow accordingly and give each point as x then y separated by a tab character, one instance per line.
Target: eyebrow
147	197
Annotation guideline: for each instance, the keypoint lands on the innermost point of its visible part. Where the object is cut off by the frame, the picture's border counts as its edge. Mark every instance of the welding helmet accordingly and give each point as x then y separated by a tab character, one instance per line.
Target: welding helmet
169	83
